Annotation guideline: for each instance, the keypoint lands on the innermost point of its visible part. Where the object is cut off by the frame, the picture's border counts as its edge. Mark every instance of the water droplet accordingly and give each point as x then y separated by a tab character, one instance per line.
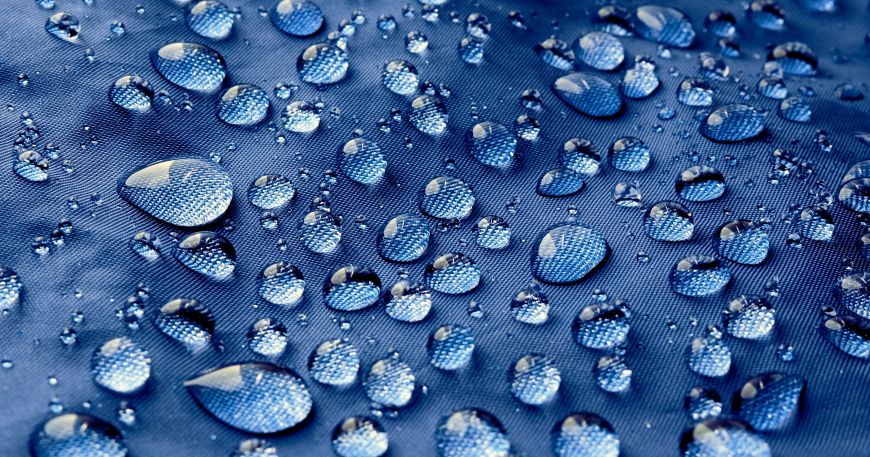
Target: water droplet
732	123
527	127
794	58
447	198
849	334
703	404
556	53
695	92
408	302
709	356
559	182
766	14
627	195
699	276
478	26
132	93
390	382
416	42
566	253
721	438
359	436
255	448
297	17
363	161
580	155
400	76
535	379
530	306
450	347
795	109
601	326
386	24
428	115
743	242
191	66
855	194
492	232
629	154
121	365
404	238
614	20
700	183
853	291
772	87
470	50
721	23
77	435
253	397
612	374
588	94
584	435
10	289
244	105
452	273
599	50
187	321
271	191
351	288
492	144
322	63
471	432
31	166
749	316
64	26
208	254
211	19
669	221
267	337
640	81
334	362
770	401
665	25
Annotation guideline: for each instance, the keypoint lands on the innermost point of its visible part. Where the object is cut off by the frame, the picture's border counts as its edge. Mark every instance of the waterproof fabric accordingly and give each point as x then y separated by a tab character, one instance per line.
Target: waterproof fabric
95	270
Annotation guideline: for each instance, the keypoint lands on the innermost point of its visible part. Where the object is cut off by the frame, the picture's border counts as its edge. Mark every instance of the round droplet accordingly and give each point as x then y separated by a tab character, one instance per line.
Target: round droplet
703	404
255	448
641	80
766	14
700	183
428	115
556	53
669	221
853	292
447	198
614	20
559	182
400	77
31	166
580	155
699	276
695	92
722	438
121	365
713	67
64	26
770	401
243	105
612	374
74	434
404	238
390	382
584	435
849	334
452	273
322	63
271	191
183	192
208	254
351	288
721	23
772	87
794	58
334	363
629	154
750	317
187	321
132	93
732	123
297	17
588	94
601	326
599	50
471	50
471	432
664	25
191	66
566	253
359	436
535	379
416	42
743	242
408	302
363	161
530	306
319	232
492	232
10	289
267	337
709	356
211	19
795	109
301	117
492	144
627	195
450	347
146	244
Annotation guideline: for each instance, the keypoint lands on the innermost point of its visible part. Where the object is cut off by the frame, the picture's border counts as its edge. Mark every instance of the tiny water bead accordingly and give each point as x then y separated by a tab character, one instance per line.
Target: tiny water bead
363	161
588	94
404	238
640	81
64	26
709	356
186	321
31	166
599	50
556	53
471	432
601	326
408	302
722	438
770	401
629	154
191	66
535	379
319	231
146	245
267	337
211	19
10	289
627	195
749	316
400	77
254	397
428	115
243	105
453	274
359	436
664	25
695	92
121	366
208	254
669	221
559	182
351	288
794	58
132	93
186	192
447	198
612	374
766	14
478	26
390	382
450	347
853	291
271	191
492	144
733	123
703	404
492	232
322	63
566	253
580	155
74	434
334	363
584	435
700	183
530	306
300	117
699	276
297	17
743	242
849	334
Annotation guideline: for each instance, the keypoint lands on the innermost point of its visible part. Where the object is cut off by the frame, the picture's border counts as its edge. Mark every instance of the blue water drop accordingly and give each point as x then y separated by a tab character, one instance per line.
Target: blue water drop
855	195
244	105
749	317
322	63
450	347
428	115
297	17
351	288
566	253
794	58
772	87
492	144
700	183
612	374
64	26
743	242
471	50
363	161
702	403
580	155
73	435
556	53
601	325
408	302
584	435
132	93
319	231
559	182
849	334
669	221
766	14
853	291
211	19
452	273
31	166
492	232
400	76
471	432
404	238
588	94
447	198
10	289
599	50
699	276
390	382
208	254
190	66
721	23
613	19
267	337
271	191
665	25
535	379
334	363
640	81
301	117
770	401
629	154
695	92
359	436
709	356
186	321
795	109
722	438
282	284
732	123
121	366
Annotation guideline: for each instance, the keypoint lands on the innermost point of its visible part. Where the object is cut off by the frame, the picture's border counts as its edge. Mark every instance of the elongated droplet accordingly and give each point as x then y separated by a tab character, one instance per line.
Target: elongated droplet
64	26
31	166
191	66
588	94
121	366
732	123
794	58
471	432
700	183
208	254
566	253
849	334
10	289
770	401
559	182
665	25
187	321
271	191
73	435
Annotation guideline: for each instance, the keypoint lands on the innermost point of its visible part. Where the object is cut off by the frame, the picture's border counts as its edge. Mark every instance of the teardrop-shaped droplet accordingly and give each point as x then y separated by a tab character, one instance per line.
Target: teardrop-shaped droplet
447	198
795	58
452	273
243	105
121	365
699	276
10	289
363	161
359	436
535	379
492	232
404	238
301	117
612	374
770	401
601	326
559	182
208	254
31	166
390	382
253	397
556	53
566	253
795	109
588	94
450	347
629	154
530	306
319	232
211	19
297	17
669	221
580	155
849	334
351	288
184	192
599	50
73	435
640	81
722	438
663	24
334	363
584	435
322	63
471	432
613	19
766	14
271	191
400	76
700	183
732	123
721	23
187	321
750	317
743	242
428	115
709	356
703	404
191	66
853	291
267	337
695	92
492	144
132	93
408	302
64	26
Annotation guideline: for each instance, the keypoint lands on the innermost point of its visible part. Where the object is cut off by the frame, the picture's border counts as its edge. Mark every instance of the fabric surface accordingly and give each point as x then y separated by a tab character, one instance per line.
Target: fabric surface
95	271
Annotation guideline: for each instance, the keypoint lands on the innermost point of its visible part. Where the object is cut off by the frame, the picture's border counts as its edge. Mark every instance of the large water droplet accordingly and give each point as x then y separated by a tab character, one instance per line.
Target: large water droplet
208	254
390	382
640	81
703	404
749	316
492	144
450	347
132	93
699	276
211	19
322	63
743	242
187	321
191	66
669	221
121	365
73	435
584	435
535	379
408	302
853	292
253	397
244	104
471	432
363	161
183	192
629	154
599	50
601	326
700	183
400	76
297	17
452	273
64	26
566	253
770	401
612	374
795	58
319	232
580	155
404	238
359	436
10	289
267	337
428	115
732	123
588	94
334	362
722	438
849	334
351	288
665	25
447	198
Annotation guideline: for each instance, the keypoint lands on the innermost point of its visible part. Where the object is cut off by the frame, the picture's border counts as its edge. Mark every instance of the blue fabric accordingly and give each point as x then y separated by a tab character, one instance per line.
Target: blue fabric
67	98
